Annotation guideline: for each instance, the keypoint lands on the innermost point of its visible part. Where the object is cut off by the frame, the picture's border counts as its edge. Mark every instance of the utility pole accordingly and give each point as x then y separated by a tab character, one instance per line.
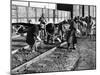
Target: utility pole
27	11
53	15
82	10
88	10
35	14
17	14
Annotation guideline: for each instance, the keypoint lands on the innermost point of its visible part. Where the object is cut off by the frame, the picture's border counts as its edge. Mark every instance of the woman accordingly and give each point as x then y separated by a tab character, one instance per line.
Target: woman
71	37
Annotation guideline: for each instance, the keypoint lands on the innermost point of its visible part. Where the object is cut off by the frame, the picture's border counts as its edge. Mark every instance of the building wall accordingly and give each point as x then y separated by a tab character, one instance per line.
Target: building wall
86	11
24	13
77	10
92	10
80	10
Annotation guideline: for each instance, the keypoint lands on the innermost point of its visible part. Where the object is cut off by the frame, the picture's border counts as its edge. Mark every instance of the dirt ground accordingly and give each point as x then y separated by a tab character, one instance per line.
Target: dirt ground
62	60
87	50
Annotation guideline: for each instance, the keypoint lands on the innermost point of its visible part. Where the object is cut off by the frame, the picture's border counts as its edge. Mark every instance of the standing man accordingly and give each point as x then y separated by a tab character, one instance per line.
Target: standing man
43	21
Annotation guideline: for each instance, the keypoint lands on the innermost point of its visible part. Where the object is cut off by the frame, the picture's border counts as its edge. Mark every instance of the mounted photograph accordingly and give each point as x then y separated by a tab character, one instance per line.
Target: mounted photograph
52	37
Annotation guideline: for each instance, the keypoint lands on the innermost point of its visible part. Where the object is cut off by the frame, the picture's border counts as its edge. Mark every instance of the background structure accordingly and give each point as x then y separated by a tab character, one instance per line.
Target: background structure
22	11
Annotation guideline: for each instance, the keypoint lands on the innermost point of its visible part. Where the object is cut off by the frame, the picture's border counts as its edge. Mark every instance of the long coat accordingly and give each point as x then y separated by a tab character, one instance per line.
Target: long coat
31	35
71	37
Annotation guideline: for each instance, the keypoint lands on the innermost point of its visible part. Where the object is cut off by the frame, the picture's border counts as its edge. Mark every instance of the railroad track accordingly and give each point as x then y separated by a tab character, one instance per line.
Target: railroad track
41	56
25	47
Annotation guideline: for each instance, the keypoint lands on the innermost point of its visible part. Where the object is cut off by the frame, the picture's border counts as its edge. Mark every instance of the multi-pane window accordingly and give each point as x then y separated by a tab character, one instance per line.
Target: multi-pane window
23	14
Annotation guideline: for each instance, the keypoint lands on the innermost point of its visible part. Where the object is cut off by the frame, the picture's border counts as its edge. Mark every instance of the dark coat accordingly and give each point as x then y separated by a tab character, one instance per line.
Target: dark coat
31	35
50	28
71	37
